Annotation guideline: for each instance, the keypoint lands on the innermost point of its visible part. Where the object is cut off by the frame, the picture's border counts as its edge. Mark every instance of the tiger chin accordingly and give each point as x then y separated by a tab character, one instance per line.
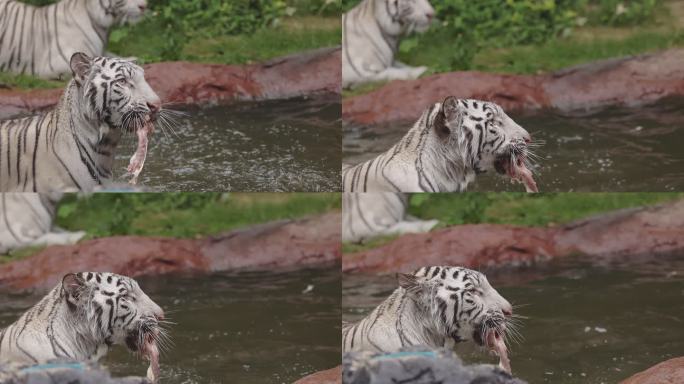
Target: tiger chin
72	147
82	317
451	143
437	307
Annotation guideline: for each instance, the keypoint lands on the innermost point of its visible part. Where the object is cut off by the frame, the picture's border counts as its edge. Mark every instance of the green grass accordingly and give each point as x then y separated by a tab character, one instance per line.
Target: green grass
146	41
19	254
184	215
517	209
294	34
8	80
374	243
527	210
553	55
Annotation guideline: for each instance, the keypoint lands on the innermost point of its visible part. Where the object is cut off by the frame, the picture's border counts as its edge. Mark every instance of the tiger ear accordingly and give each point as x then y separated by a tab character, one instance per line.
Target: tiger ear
449	112
411	283
80	64
73	285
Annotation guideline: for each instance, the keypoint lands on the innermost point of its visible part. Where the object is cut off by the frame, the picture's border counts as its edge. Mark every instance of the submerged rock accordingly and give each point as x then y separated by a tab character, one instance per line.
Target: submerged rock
419	365
329	376
61	372
630	81
667	372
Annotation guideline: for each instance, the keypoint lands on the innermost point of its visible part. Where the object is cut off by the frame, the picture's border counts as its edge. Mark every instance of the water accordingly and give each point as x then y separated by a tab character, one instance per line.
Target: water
286	145
613	150
248	327
587	325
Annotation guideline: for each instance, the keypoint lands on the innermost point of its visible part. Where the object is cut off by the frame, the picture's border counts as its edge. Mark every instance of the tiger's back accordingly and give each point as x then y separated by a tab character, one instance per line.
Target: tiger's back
40	41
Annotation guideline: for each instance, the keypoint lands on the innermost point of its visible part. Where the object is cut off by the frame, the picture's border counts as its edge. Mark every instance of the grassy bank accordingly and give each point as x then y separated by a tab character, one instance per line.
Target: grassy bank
145	42
184	215
290	35
518	209
8	80
555	38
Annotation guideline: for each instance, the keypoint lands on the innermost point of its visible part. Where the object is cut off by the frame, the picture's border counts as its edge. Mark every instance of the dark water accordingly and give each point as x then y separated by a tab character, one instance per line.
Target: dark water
586	325
613	150
249	327
290	145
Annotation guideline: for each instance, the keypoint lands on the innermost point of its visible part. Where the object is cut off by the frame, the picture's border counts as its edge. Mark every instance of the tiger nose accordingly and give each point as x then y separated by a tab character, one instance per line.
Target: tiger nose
430	15
154	107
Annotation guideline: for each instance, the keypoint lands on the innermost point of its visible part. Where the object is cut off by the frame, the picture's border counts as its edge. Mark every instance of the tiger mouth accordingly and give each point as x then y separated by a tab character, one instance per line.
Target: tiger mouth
515	167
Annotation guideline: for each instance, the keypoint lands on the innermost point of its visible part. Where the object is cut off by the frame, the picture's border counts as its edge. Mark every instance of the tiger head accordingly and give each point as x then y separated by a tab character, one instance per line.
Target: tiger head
458	303
404	16
481	136
113	12
113	93
113	309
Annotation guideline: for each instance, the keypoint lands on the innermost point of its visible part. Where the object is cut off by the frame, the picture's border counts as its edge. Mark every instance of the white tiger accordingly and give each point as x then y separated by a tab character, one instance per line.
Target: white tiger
435	307
41	40
82	317
26	220
371	32
373	214
444	150
72	146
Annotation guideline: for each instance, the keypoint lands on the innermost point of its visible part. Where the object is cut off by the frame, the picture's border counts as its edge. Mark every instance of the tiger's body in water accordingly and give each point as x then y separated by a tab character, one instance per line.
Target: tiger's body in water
72	147
435	307
451	143
84	315
40	41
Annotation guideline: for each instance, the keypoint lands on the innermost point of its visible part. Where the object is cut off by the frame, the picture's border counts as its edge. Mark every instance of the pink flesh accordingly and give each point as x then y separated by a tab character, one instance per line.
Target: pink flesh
518	171
496	343
151	352
137	161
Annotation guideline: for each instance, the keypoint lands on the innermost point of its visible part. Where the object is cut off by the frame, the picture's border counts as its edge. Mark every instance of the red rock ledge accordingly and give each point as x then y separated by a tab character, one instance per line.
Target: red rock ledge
630	81
631	233
287	243
311	73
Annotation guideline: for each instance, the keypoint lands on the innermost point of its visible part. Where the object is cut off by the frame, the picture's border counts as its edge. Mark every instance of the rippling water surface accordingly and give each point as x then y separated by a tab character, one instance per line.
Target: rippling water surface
291	145
249	327
613	150
586	325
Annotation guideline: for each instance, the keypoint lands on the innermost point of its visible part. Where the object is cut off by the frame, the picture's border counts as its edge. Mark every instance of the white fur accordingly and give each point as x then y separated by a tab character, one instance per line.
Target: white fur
26	220
371	37
40	40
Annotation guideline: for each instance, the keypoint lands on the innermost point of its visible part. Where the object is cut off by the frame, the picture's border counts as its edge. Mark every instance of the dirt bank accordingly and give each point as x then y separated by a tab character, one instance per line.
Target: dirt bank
624	234
330	376
307	74
630	81
287	243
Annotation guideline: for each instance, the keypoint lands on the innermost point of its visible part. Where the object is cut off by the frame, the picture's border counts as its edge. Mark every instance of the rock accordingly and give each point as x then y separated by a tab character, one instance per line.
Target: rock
60	372
667	372
286	243
418	365
330	376
630	81
628	234
306	74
